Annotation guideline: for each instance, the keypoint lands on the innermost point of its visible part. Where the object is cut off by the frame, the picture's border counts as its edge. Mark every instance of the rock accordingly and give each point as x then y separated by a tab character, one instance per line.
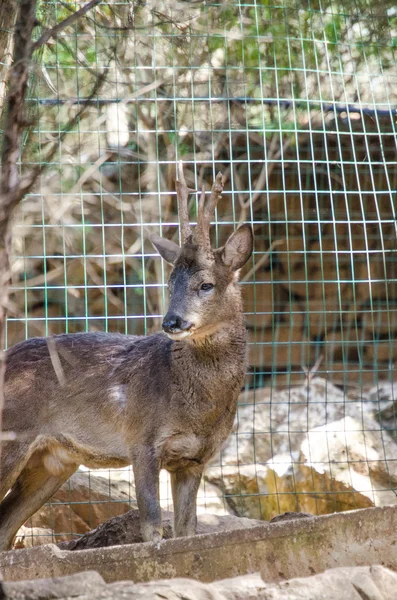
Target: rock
243	487
371	583
209	497
288	516
82	503
349	583
90	498
210	500
217	524
363	457
125	529
27	537
293	484
384	398
63	521
282	456
276	421
70	586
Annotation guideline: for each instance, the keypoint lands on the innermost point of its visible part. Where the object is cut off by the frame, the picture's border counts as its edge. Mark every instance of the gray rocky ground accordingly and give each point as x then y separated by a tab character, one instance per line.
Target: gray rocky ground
354	583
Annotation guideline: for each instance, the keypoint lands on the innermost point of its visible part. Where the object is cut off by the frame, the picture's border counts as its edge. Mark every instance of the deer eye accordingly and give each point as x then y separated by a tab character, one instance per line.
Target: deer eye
206	287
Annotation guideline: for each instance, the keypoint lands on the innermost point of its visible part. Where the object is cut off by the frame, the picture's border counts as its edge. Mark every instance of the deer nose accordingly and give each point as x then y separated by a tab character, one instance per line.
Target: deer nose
173	323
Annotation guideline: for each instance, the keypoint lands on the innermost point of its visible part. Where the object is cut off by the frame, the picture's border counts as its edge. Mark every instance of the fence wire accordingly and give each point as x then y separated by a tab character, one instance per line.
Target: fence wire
296	103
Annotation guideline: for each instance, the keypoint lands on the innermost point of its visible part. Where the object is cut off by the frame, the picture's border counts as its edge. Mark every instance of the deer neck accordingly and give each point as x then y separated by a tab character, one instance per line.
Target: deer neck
221	338
207	376
216	354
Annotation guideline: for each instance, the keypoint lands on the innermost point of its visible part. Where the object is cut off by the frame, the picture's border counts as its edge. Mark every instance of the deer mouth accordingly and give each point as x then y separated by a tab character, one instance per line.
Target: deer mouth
194	332
179	335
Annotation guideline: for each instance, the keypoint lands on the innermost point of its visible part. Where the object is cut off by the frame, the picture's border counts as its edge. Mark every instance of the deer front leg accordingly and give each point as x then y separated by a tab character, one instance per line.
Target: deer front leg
146	473
184	485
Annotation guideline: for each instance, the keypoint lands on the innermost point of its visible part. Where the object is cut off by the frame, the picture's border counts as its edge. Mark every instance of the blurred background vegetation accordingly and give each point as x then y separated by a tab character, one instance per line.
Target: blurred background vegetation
295	101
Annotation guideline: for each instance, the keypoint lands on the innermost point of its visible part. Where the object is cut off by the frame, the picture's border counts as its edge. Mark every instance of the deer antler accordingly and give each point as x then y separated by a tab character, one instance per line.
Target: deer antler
206	212
182	194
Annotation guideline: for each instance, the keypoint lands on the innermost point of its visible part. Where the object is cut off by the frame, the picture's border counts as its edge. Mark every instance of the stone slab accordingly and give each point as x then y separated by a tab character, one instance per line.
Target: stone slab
278	551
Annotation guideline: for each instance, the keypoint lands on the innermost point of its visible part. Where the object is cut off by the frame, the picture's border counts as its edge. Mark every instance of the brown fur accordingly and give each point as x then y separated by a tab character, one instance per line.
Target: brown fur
153	402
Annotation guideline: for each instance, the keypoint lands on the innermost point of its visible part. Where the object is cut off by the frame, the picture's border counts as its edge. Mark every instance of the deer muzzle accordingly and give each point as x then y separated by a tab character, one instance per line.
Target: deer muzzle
174	324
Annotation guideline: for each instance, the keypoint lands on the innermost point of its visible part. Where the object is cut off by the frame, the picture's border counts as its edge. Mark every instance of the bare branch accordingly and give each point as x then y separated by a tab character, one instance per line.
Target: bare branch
28	182
263	259
54	31
311	372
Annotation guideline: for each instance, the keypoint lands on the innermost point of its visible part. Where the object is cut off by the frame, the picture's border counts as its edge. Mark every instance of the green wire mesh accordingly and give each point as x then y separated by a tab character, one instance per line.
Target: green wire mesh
296	102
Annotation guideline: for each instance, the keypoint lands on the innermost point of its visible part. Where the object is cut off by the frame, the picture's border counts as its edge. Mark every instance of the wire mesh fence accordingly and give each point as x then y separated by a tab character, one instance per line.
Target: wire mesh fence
296	103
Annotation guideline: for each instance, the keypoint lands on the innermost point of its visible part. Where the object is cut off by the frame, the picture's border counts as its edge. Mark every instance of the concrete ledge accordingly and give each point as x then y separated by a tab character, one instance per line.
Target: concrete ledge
279	551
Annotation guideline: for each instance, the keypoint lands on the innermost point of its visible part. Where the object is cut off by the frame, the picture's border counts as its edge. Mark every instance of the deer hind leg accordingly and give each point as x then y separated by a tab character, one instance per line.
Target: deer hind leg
184	486
14	456
34	487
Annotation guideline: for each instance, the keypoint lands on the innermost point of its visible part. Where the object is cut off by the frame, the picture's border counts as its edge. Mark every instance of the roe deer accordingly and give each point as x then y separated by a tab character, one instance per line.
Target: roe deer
164	401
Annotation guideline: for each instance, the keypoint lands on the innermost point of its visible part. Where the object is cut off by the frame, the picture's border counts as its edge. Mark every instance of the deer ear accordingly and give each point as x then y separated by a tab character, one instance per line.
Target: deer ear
166	248
238	247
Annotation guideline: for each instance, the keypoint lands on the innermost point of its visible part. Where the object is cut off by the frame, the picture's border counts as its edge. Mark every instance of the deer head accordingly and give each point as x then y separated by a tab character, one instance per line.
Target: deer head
203	282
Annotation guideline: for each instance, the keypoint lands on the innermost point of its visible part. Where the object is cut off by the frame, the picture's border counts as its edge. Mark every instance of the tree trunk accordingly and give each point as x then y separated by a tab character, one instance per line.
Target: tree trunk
8	11
10	193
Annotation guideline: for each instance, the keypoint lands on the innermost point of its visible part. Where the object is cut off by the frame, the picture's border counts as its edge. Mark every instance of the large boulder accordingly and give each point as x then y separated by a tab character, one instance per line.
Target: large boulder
356	452
384	399
81	504
27	537
311	448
